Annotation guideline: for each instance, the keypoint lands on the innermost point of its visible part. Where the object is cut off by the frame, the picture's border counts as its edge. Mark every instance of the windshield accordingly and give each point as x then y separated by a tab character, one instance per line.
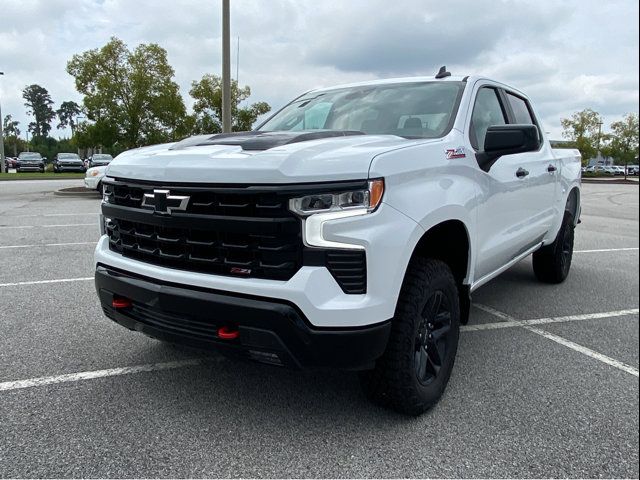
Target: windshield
68	156
411	110
30	156
102	156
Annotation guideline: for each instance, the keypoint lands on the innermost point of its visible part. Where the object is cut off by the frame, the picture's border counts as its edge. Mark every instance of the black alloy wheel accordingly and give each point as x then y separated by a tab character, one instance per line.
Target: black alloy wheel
431	340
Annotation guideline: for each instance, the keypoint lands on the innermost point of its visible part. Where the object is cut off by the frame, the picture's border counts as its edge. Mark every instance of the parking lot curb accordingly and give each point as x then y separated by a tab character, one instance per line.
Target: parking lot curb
610	182
76	192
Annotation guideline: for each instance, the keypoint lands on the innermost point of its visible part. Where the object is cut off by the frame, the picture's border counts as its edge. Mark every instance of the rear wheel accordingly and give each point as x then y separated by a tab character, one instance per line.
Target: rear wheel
412	374
551	264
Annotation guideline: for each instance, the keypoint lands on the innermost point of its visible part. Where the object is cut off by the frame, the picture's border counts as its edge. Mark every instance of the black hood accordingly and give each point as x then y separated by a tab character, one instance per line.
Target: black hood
261	140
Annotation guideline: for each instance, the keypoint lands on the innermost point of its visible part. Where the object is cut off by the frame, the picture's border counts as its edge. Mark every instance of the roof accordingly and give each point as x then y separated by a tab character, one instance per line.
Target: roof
387	81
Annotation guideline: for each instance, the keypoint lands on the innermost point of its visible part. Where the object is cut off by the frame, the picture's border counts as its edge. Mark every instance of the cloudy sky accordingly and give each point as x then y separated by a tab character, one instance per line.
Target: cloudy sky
567	55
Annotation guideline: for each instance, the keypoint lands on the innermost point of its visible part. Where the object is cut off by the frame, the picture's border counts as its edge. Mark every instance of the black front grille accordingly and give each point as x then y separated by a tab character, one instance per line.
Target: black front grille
238	231
250	253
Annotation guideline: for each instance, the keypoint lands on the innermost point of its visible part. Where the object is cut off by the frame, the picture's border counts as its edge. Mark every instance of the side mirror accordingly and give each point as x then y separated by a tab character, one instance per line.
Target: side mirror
506	140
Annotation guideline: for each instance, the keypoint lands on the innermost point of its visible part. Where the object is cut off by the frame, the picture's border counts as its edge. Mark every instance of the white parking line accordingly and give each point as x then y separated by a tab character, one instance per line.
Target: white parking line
602	250
48	245
510	322
494	312
585	351
526	324
40	282
48	226
110	372
55	215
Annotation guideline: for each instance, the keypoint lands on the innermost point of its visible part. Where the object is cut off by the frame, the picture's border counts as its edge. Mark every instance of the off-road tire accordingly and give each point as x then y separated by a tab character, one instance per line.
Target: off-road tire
551	264
394	382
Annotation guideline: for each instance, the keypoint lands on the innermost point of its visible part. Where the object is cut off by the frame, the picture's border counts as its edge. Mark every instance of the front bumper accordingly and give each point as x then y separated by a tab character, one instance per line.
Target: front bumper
29	168
270	331
387	235
71	168
92	182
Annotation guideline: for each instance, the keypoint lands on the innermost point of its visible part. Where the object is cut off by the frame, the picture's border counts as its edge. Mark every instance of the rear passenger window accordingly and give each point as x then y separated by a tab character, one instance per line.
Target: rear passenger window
520	110
487	112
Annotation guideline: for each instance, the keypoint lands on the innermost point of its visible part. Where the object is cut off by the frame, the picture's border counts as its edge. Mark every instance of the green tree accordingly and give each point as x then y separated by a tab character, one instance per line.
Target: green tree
583	129
67	114
624	139
38	103
129	91
11	133
207	93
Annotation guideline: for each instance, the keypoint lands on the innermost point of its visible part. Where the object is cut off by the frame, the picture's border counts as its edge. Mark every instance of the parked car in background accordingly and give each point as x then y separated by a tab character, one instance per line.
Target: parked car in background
30	162
632	169
591	169
68	162
10	162
93	178
605	170
100	159
618	170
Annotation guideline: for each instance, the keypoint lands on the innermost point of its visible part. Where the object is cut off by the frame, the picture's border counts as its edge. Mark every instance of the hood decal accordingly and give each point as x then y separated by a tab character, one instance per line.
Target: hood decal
261	140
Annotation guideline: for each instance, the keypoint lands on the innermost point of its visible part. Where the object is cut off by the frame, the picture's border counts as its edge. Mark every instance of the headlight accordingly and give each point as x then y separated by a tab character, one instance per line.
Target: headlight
318	209
93	173
368	199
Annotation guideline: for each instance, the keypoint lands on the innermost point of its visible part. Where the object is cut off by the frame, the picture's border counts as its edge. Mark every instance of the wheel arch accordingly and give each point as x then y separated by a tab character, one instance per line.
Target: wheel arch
573	204
450	242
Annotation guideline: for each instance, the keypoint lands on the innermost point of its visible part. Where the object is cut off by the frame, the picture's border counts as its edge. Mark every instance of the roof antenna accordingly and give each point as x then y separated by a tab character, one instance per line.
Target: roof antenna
442	73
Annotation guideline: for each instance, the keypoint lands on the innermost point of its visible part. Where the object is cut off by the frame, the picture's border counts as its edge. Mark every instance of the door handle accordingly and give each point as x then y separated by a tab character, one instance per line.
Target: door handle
521	173
551	169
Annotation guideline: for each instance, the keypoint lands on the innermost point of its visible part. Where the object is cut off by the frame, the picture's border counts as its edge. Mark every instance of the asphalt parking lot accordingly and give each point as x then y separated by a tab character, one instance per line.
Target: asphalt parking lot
545	384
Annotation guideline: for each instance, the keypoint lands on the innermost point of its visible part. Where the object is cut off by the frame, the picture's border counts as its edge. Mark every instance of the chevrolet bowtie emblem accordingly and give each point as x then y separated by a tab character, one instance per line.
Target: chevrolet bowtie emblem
164	203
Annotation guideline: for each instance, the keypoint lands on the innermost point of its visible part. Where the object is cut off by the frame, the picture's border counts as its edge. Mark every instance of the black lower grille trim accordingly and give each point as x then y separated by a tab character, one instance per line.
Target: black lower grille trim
349	268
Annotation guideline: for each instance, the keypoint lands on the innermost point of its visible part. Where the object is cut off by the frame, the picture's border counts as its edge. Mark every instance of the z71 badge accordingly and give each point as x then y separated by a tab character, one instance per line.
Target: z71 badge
452	153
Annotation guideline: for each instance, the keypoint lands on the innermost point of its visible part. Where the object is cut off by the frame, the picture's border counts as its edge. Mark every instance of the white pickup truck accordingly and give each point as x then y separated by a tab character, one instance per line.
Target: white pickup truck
348	230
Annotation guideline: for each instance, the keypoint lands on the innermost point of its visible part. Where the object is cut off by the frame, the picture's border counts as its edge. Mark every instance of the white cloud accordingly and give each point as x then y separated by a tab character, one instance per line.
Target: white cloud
565	55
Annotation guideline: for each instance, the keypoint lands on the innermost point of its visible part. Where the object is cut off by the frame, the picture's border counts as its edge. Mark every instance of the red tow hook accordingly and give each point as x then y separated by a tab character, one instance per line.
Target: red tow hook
121	302
228	333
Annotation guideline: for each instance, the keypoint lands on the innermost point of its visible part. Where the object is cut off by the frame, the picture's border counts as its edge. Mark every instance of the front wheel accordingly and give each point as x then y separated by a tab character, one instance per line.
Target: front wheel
414	370
551	264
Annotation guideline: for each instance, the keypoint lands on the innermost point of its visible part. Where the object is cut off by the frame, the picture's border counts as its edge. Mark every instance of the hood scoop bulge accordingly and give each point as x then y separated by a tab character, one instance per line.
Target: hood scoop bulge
261	140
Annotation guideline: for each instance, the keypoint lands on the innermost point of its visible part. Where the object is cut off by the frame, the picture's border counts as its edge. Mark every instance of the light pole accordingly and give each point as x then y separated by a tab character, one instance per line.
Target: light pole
599	135
226	68
2	164
78	117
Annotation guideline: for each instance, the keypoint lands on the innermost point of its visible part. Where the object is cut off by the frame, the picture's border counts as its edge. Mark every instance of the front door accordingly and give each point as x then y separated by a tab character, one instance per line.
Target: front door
505	208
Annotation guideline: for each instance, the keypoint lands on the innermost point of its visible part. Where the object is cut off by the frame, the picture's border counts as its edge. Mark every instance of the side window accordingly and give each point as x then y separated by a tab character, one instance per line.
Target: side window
520	110
487	112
